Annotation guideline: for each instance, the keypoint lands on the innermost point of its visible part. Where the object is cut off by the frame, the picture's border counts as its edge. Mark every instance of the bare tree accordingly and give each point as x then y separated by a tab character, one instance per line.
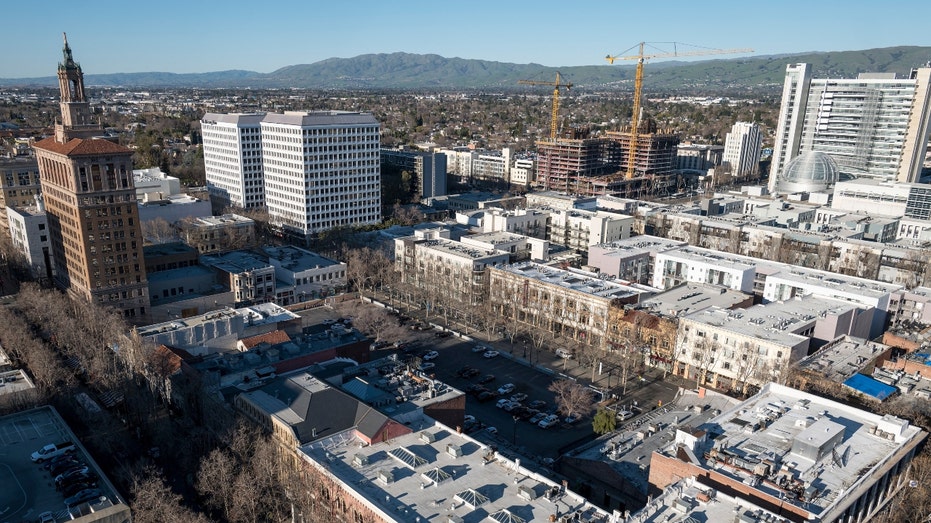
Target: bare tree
155	502
372	320
572	398
159	231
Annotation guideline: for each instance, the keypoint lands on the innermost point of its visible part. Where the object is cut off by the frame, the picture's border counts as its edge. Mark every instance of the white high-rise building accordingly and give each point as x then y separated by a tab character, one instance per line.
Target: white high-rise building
742	149
322	170
876	125
233	159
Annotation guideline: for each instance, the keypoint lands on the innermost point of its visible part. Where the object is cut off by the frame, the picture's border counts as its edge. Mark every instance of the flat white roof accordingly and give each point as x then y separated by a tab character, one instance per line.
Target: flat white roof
430	482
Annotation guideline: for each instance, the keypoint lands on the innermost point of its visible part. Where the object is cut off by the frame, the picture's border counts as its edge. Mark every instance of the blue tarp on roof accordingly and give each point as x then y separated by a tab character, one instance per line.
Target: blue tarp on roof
870	387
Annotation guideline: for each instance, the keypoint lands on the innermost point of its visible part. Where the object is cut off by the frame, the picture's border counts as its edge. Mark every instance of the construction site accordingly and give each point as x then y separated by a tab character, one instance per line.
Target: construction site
638	161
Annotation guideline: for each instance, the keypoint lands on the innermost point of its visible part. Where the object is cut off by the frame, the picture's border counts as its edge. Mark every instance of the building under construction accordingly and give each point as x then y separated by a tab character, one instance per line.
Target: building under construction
562	160
595	166
655	153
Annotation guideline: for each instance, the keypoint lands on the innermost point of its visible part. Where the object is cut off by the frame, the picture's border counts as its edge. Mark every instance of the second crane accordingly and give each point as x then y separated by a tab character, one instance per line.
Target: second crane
554	122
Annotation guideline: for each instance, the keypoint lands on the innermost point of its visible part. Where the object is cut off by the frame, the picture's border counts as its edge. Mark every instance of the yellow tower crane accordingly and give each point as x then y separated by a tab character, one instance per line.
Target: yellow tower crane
638	87
556	85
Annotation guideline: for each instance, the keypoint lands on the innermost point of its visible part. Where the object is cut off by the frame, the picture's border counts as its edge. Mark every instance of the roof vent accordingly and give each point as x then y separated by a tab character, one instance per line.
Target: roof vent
454	450
427	437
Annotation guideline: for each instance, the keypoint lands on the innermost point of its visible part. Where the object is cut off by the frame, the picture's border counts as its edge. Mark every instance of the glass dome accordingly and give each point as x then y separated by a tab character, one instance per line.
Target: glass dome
808	172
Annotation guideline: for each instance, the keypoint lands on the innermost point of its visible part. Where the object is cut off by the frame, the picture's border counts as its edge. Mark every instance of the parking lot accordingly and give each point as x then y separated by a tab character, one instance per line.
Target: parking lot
527	439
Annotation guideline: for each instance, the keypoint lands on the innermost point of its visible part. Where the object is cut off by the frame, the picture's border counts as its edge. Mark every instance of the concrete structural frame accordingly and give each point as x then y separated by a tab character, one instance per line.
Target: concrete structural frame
876	125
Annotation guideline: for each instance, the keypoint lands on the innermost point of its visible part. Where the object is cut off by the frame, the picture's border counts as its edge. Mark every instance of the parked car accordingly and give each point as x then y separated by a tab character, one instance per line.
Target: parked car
491	354
73	477
443	334
83	497
507	388
427	365
73	488
491	430
520	396
432	355
468	419
65	464
380	344
463	371
50	451
480	348
548	421
502	402
563	353
329	321
487	378
512	406
475	389
572	418
538	417
79	469
485	395
624	415
537	404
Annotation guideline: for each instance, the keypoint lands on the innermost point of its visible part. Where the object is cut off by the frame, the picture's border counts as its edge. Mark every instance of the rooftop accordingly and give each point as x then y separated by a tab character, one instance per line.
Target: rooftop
578	280
690	499
298	260
842	358
437	475
692	297
236	262
458	249
219	221
775	322
809	450
638	245
320	118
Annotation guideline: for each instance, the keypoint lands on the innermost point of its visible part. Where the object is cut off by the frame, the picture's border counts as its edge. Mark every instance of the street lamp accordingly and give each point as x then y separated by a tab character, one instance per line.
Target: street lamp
514	436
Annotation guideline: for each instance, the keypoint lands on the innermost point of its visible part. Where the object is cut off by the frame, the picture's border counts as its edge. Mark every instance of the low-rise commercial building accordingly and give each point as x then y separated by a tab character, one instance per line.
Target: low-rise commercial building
798	455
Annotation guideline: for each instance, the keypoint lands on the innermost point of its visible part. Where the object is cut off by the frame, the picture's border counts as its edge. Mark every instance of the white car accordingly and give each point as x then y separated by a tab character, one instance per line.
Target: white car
427	366
480	348
468	419
491	430
548	421
503	402
624	415
490	354
430	355
507	388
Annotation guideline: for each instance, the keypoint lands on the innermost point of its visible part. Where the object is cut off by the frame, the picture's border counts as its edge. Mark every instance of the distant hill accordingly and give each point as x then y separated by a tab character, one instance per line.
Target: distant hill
434	72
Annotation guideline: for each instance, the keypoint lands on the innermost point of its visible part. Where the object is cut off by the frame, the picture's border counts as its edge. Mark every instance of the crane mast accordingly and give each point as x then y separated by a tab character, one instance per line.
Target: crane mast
640	57
554	120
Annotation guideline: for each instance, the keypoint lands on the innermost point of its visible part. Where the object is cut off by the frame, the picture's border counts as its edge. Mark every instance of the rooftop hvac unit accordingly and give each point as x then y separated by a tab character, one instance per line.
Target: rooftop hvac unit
360	460
452	518
454	450
427	437
526	492
386	475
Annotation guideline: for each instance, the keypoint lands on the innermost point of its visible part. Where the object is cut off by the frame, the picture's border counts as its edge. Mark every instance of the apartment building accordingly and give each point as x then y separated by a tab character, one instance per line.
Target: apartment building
631	259
563	302
29	233
578	230
742	149
445	272
19	181
428	169
698	157
212	234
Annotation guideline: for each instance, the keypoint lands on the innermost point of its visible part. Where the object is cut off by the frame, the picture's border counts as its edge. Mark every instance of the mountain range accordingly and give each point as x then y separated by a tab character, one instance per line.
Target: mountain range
433	72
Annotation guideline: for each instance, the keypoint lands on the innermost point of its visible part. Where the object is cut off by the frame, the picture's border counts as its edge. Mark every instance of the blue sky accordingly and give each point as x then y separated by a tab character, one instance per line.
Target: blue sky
210	35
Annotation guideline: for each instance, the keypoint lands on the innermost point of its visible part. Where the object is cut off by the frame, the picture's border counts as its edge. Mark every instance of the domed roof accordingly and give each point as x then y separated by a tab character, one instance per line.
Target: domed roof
808	172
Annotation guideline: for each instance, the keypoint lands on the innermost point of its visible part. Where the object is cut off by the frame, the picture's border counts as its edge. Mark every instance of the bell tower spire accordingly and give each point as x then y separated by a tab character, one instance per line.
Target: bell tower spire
76	119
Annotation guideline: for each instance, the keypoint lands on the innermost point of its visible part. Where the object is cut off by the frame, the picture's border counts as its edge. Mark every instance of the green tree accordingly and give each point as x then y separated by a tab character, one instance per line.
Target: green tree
604	422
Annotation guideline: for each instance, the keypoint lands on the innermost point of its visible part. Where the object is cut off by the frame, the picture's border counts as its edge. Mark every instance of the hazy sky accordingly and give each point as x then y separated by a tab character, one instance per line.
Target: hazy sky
211	35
